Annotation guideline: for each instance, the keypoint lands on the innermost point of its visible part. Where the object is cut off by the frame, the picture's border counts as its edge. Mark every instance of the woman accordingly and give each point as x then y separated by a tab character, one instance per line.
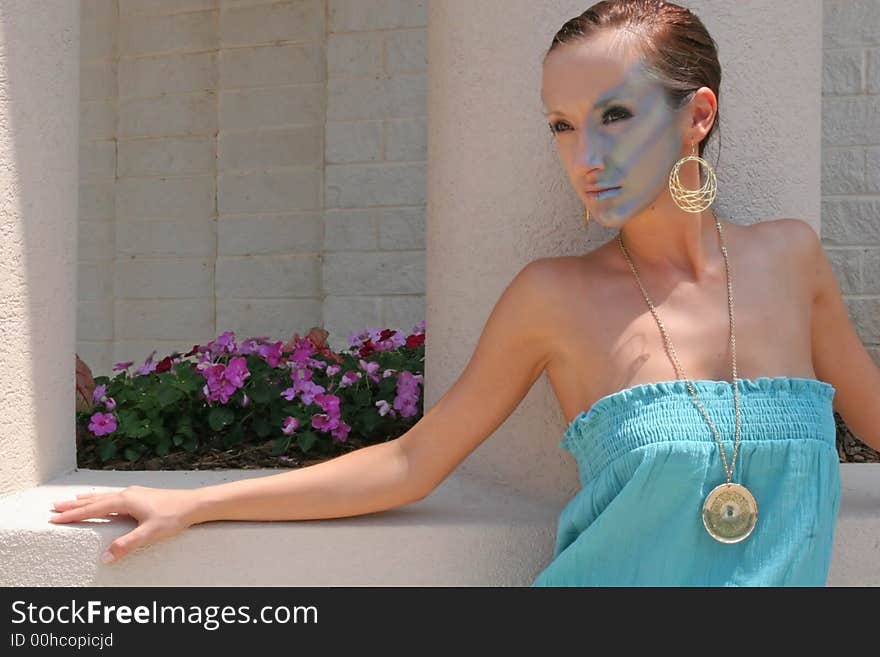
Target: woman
642	333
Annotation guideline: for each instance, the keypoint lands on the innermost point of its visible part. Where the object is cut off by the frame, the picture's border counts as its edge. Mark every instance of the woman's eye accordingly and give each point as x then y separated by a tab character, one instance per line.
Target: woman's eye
558	126
615	111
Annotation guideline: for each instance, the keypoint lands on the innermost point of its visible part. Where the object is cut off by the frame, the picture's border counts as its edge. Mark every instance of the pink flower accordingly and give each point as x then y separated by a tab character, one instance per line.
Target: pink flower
289	426
302	386
272	353
370	369
324	422
123	365
340	433
224	380
102	423
407	393
385	408
349	378
99	394
148	366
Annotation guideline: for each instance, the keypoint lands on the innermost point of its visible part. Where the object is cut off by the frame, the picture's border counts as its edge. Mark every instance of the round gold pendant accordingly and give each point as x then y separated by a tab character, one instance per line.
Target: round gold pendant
730	513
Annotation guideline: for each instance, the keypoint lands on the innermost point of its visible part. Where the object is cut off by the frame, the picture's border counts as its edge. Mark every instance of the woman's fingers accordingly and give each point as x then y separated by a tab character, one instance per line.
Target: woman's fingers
80	499
71	504
92	510
138	536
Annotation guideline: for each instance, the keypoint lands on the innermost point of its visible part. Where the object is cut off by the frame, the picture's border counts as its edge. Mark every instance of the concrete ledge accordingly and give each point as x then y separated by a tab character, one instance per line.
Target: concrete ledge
467	533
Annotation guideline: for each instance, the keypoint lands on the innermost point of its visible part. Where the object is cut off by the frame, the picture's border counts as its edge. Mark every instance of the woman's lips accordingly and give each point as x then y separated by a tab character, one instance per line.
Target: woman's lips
605	193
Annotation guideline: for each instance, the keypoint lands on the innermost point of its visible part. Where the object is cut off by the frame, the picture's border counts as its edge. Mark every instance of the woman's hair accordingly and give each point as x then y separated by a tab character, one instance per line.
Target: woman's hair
677	49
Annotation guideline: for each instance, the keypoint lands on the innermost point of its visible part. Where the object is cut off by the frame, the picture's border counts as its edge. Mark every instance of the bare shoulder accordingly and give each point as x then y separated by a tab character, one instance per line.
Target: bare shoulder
794	241
789	231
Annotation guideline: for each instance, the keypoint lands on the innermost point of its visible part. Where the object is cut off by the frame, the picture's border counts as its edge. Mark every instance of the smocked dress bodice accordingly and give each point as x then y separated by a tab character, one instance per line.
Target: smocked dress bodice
646	460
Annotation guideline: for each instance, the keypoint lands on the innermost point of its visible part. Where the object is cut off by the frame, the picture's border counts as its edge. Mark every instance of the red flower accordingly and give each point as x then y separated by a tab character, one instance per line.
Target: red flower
164	364
414	341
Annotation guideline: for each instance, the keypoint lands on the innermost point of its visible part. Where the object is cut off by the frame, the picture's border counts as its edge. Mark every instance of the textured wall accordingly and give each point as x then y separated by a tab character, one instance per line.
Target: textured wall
39	84
498	197
251	166
851	158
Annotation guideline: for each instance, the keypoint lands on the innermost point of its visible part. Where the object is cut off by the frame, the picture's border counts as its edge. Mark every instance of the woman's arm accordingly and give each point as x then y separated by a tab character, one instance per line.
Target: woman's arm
511	353
839	357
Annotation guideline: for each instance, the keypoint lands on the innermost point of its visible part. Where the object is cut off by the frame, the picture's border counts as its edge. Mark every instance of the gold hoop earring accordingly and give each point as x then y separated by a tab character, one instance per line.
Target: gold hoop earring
587	220
693	200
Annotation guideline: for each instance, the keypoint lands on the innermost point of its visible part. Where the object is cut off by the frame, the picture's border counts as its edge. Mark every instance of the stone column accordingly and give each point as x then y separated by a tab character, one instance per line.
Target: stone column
498	196
39	134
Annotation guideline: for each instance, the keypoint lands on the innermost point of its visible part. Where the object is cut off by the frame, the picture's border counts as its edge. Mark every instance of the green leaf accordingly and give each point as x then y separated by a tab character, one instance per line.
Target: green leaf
306	440
178	439
234	437
159	430
260	393
362	397
219	417
168	396
132	454
280	446
190	444
106	449
141	430
163	447
261	426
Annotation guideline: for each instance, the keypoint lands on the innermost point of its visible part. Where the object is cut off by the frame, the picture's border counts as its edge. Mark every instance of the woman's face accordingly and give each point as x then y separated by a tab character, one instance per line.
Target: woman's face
613	127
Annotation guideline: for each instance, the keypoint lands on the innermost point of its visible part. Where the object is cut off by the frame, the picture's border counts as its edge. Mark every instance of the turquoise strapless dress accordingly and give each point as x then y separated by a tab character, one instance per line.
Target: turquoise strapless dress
647	459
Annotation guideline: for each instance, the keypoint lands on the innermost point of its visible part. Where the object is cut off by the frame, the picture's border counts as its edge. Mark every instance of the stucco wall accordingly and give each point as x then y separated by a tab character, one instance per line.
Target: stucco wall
39	84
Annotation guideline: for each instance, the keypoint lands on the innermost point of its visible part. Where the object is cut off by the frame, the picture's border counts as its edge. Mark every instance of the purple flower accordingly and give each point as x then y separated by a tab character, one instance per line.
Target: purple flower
289	425
272	353
329	403
340	433
124	365
99	393
224	380
303	386
148	366
333	369
384	408
407	393
225	342
370	369
349	378
110	404
102	423
324	422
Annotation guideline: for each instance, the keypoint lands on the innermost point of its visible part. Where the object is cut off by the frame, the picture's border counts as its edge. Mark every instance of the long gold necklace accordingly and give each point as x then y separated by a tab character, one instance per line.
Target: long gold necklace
730	511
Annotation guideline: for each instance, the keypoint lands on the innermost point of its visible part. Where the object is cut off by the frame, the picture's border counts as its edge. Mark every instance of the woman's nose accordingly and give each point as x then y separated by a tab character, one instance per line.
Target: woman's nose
588	154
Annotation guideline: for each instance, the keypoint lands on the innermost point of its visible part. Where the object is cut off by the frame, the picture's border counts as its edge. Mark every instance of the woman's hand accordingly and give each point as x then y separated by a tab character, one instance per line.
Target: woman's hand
161	513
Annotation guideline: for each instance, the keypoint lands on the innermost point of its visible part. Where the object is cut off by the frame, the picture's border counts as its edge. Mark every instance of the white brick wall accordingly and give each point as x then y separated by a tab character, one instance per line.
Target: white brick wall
374	194
248	165
851	158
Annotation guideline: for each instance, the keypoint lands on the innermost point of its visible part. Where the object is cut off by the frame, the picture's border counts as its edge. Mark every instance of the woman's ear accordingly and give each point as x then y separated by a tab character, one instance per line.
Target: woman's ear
703	108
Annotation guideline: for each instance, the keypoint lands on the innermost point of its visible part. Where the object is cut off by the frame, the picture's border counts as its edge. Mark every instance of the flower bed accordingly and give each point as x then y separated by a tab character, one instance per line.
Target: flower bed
260	403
